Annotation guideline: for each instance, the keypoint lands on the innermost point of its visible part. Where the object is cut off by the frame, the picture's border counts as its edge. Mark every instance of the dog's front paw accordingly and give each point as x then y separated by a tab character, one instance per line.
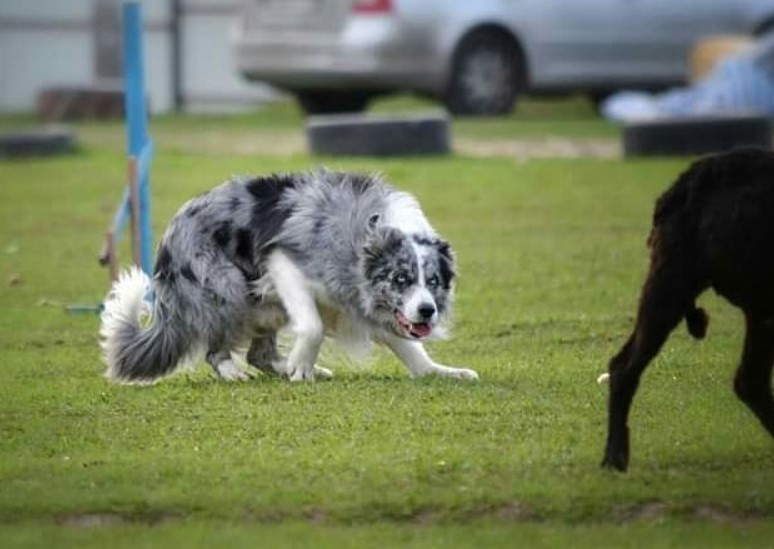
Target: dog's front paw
322	373
300	374
229	371
459	373
306	374
465	373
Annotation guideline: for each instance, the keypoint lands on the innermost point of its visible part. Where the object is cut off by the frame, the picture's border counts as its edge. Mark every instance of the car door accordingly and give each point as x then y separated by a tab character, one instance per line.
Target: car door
577	41
667	30
623	42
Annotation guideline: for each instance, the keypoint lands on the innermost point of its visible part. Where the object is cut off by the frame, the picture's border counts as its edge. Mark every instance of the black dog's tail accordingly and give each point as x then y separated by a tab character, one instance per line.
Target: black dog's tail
139	342
697	319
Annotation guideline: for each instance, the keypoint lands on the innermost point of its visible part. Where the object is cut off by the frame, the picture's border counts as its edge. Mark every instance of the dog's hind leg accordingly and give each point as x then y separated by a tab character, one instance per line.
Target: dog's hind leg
297	298
419	363
263	354
752	383
666	296
224	367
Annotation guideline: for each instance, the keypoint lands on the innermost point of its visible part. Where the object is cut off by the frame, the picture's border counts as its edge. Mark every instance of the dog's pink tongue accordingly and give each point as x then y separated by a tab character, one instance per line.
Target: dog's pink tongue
421	329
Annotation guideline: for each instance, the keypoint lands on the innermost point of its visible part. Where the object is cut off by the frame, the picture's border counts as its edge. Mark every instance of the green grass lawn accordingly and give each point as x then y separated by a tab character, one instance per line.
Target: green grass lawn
552	254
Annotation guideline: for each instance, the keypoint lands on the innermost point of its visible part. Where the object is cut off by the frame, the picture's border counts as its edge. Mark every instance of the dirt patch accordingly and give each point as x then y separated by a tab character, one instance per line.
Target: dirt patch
514	512
507	512
238	142
650	511
92	520
101	520
549	147
656	510
720	515
289	143
510	512
293	143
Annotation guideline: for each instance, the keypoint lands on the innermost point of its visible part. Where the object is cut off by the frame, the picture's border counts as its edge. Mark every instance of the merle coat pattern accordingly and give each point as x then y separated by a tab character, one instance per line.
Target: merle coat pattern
322	253
713	228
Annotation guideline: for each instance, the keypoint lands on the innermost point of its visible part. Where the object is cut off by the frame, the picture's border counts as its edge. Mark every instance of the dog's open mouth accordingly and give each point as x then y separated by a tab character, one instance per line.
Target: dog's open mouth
417	330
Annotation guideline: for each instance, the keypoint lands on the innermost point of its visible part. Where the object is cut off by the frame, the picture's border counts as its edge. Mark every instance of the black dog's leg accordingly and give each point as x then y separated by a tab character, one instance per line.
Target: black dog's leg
665	298
263	352
752	383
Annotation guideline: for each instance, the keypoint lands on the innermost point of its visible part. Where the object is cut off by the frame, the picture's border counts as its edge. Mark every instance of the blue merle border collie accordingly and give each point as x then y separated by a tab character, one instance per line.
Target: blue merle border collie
323	253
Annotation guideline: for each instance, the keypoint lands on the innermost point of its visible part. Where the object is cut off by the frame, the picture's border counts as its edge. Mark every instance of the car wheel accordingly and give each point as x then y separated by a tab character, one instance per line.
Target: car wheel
332	101
487	72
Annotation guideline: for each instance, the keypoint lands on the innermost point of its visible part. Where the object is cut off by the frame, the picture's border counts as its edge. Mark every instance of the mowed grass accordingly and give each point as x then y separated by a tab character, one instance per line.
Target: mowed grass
552	254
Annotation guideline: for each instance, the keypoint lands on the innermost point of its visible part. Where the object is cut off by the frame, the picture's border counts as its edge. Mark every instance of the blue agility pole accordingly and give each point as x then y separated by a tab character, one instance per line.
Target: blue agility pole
124	211
139	145
135	202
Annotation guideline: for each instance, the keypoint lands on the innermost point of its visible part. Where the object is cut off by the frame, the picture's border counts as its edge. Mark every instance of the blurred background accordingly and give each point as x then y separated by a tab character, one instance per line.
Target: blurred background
76	44
63	59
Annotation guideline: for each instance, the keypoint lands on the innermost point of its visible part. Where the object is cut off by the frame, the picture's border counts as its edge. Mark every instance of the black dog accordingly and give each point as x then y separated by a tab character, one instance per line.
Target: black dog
713	228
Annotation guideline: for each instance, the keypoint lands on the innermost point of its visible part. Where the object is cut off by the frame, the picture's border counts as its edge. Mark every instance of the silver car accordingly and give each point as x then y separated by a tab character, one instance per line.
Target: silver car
477	55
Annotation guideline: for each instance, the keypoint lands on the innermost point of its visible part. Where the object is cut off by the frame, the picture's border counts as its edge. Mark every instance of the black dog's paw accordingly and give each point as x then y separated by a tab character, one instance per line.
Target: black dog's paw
616	463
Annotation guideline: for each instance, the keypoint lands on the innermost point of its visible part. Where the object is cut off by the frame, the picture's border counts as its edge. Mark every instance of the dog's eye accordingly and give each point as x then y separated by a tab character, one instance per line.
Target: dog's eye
434	281
400	279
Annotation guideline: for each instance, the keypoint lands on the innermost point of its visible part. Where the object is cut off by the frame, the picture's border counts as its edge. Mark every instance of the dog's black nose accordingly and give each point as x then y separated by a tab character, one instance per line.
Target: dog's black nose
426	310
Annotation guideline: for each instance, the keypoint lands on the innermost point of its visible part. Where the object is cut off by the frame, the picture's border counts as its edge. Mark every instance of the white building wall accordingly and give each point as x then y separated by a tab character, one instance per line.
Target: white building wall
211	81
45	43
33	59
42	42
60	10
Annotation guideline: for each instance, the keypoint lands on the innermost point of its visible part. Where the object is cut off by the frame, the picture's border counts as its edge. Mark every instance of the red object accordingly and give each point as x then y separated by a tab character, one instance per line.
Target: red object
372	6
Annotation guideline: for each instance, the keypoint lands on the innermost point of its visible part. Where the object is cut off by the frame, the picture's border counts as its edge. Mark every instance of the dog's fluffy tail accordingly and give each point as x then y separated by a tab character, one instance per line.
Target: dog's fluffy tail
697	319
139	343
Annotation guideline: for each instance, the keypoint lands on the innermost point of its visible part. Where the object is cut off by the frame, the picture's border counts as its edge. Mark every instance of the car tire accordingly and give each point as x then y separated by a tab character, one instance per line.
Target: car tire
487	73
332	101
695	135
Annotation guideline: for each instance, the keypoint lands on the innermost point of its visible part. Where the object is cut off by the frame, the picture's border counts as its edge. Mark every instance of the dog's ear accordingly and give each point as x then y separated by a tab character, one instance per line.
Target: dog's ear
381	244
383	240
448	263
